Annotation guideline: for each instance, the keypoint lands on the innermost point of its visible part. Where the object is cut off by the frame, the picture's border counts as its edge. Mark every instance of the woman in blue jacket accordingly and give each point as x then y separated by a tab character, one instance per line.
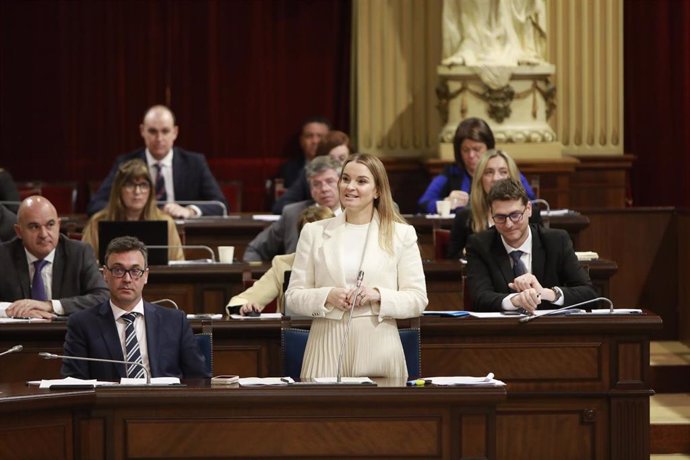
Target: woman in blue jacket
472	138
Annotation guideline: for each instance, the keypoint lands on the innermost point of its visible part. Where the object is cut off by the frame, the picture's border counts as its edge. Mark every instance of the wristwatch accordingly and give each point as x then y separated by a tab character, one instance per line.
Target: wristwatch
557	291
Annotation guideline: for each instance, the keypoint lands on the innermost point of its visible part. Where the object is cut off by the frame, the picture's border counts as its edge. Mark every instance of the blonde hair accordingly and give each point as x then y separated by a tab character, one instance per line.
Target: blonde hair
478	197
313	214
384	204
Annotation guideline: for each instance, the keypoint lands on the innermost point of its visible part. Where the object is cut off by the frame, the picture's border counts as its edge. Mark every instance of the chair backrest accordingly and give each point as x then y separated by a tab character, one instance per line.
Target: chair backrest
205	342
293	342
441	239
232	190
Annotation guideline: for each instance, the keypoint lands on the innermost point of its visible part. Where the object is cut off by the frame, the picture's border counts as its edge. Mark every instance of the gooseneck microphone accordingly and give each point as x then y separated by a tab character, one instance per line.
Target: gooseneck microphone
527	319
360	277
12	350
46	355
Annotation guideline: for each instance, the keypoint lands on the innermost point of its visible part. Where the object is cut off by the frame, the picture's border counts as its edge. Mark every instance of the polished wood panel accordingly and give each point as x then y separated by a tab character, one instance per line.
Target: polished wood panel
684	276
644	242
590	374
200	421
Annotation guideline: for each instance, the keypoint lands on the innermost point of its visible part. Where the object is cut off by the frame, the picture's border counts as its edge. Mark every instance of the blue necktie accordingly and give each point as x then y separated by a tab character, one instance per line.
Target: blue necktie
518	267
38	287
161	194
132	347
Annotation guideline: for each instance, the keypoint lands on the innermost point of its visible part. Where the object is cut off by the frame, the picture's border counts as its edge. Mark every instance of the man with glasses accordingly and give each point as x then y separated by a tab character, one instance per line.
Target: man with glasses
45	273
515	265
126	328
282	235
177	175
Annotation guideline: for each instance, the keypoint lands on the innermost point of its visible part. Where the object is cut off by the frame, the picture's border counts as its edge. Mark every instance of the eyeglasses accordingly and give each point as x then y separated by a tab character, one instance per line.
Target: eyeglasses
514	217
119	272
131	186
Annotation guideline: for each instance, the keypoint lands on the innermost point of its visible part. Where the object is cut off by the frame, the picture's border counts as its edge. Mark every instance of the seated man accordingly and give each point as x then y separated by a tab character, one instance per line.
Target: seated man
45	273
126	328
313	130
178	175
8	192
517	265
282	235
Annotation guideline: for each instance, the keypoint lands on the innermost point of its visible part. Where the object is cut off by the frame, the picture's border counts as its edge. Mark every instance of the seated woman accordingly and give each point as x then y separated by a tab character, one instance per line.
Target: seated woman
493	166
335	144
131	199
365	265
270	285
472	138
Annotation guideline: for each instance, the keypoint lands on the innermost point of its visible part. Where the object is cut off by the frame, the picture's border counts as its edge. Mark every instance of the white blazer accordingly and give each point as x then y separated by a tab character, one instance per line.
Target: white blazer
318	268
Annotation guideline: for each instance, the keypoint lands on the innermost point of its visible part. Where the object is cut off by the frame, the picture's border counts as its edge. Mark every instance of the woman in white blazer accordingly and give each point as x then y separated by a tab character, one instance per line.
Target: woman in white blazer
371	236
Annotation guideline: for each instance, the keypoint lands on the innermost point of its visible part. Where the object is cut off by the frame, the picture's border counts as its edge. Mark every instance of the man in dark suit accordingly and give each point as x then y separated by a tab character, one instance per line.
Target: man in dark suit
516	265
282	235
45	273
130	329
178	175
8	192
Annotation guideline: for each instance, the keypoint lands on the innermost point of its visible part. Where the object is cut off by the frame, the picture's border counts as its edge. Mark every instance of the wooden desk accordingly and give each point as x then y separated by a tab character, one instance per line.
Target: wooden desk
200	421
206	288
578	387
239	229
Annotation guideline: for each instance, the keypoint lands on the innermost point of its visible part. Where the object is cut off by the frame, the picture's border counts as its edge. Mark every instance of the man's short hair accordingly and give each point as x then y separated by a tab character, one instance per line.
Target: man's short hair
320	164
507	190
123	244
316	119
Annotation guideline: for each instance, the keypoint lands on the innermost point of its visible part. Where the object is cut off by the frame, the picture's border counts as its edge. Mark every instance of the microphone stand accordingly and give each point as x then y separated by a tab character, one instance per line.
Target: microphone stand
360	277
527	319
12	350
46	355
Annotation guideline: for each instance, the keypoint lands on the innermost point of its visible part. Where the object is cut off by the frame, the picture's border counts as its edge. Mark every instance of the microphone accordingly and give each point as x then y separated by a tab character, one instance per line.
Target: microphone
220	204
185	246
12	350
170	301
46	355
527	319
360	277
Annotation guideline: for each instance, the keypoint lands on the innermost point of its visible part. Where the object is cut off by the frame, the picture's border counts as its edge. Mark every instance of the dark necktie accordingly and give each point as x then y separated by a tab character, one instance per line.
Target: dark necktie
38	287
518	267
161	194
132	347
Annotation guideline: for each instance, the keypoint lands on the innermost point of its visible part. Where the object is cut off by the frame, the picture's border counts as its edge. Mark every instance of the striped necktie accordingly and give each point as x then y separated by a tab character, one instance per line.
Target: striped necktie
132	347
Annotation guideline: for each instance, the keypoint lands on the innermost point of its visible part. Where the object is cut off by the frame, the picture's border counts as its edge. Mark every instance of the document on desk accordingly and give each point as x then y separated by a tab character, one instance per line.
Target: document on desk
555	212
262	316
351	380
154	381
262	381
266	217
447	313
466	381
69	382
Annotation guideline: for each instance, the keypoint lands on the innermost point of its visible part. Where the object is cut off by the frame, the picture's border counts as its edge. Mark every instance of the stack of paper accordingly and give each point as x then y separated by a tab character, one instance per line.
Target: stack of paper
466	381
260	381
586	255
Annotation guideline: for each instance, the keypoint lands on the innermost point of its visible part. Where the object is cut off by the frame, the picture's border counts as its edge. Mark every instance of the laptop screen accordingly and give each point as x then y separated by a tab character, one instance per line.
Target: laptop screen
151	232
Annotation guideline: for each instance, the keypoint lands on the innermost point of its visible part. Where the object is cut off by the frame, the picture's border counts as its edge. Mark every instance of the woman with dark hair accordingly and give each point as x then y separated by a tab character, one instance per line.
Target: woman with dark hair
472	138
131	199
368	244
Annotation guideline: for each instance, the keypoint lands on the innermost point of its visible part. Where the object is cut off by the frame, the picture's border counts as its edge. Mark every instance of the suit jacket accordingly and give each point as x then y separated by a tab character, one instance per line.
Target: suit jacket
298	191
318	268
278	238
462	229
192	180
269	286
77	282
553	263
172	348
8	216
